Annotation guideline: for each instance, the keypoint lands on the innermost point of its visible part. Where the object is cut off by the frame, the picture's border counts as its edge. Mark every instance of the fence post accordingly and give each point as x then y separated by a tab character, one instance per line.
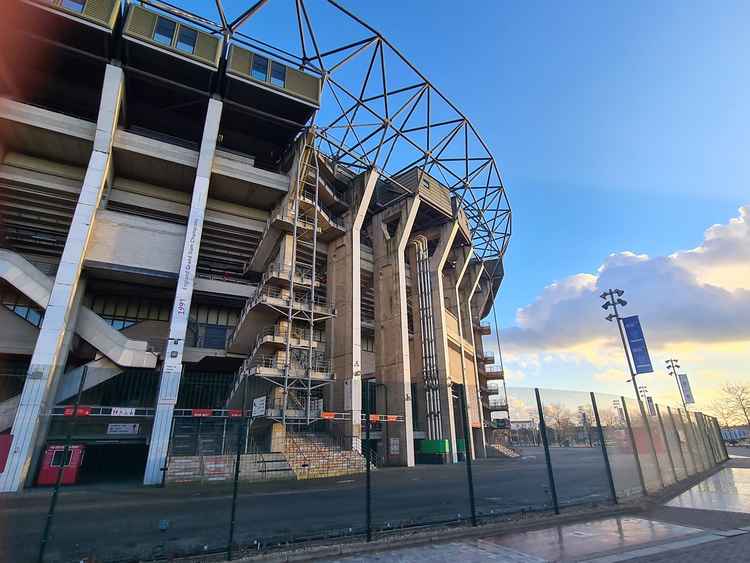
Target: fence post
237	460
679	443
543	432
68	438
666	442
467	453
368	483
604	448
633	444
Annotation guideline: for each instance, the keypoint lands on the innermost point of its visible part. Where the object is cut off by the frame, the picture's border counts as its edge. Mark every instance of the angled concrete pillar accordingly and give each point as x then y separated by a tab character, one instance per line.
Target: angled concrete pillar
463	256
344	291
390	233
169	384
437	261
52	345
466	292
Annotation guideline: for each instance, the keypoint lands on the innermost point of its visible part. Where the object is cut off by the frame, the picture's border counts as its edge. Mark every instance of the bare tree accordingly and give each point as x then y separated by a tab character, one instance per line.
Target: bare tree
559	416
724	412
737	398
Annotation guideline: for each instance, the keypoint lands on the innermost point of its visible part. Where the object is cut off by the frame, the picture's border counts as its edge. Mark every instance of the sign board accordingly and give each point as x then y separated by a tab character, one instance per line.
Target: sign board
259	406
637	344
126	428
123	411
651	406
687	393
394	446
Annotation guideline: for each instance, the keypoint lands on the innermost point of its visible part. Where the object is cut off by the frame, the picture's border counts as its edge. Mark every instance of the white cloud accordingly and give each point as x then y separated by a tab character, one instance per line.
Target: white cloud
699	295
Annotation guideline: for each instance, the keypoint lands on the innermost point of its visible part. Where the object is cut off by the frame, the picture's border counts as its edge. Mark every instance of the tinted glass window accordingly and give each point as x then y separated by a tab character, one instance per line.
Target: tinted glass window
164	31
278	74
260	68
186	39
74	5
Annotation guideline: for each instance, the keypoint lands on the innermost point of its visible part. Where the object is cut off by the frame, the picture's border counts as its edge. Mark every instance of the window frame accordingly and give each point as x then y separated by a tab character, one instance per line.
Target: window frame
256	56
174	25
72	9
178	36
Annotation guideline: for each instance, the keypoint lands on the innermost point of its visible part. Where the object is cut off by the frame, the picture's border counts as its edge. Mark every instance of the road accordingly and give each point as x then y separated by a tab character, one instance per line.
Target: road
124	521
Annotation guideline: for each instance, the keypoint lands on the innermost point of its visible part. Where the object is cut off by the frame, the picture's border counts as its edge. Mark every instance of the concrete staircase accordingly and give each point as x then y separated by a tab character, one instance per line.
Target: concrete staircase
500	450
317	456
218	468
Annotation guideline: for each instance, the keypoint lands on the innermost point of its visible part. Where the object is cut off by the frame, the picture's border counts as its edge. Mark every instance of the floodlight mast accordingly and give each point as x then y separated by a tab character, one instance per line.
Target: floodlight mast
672	367
613	298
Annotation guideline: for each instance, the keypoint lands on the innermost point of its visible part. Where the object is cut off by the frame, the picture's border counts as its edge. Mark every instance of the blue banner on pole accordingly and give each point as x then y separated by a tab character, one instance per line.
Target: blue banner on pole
637	344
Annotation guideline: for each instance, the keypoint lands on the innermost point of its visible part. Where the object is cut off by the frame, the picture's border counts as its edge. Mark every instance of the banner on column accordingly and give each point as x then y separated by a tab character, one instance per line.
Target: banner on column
637	344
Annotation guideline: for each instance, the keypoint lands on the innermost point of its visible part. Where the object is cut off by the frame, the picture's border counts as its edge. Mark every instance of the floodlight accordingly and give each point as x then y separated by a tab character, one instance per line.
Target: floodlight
622	302
604	295
606	305
619	292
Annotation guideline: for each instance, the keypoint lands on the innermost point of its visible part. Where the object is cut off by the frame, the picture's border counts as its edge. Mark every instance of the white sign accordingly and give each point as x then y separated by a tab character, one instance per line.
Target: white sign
651	406
259	406
687	393
123	411
127	428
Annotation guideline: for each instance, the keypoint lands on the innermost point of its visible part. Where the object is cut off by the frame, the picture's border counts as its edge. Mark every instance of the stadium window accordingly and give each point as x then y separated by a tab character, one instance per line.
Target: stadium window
278	74
260	68
186	39
74	5
164	31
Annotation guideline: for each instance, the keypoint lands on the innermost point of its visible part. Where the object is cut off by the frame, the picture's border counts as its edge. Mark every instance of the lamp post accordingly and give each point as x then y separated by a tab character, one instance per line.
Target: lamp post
672	367
613	298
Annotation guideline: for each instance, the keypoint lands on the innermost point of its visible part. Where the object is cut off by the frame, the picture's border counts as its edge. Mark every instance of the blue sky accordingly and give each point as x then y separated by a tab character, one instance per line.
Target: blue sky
619	127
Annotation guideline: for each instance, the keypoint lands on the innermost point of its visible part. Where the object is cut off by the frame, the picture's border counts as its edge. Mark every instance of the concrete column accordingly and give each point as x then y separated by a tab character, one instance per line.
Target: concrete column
344	289
50	352
463	255
390	234
472	277
437	261
169	384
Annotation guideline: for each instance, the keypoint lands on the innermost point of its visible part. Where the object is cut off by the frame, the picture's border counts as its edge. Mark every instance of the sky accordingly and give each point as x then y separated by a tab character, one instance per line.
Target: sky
621	130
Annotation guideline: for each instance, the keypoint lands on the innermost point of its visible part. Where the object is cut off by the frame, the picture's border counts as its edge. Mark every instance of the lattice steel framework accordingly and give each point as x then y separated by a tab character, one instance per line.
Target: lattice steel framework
377	110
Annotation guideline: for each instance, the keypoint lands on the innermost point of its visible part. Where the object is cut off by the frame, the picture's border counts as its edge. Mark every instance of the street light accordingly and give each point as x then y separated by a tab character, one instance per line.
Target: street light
672	367
613	298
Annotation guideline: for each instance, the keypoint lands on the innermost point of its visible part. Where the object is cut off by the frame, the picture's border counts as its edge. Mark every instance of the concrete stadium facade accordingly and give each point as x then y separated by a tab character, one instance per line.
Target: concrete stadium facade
175	245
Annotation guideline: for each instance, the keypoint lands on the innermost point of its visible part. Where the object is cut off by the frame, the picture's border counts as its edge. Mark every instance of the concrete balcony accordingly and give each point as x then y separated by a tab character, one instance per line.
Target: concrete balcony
483	329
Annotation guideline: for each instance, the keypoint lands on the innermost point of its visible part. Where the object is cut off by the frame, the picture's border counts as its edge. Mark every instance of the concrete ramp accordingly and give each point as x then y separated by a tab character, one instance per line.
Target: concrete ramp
35	285
8	410
99	371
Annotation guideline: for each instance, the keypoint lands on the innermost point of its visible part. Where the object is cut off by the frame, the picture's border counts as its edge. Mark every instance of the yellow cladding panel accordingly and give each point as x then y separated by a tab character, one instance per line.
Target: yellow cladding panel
239	60
141	22
102	11
207	48
303	84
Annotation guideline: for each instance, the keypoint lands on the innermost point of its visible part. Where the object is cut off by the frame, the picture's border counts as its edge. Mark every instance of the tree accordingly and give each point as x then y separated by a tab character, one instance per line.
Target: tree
559	416
724	413
737	398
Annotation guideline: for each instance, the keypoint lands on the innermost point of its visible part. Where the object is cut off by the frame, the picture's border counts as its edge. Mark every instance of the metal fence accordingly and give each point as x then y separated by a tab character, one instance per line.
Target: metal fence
259	489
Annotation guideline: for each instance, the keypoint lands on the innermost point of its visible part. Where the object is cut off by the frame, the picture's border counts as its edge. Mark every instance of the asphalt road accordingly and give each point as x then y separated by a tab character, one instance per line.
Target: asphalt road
127	521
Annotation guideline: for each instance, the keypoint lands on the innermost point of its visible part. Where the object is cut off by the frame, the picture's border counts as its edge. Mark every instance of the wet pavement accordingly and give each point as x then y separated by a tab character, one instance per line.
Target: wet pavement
708	522
727	490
